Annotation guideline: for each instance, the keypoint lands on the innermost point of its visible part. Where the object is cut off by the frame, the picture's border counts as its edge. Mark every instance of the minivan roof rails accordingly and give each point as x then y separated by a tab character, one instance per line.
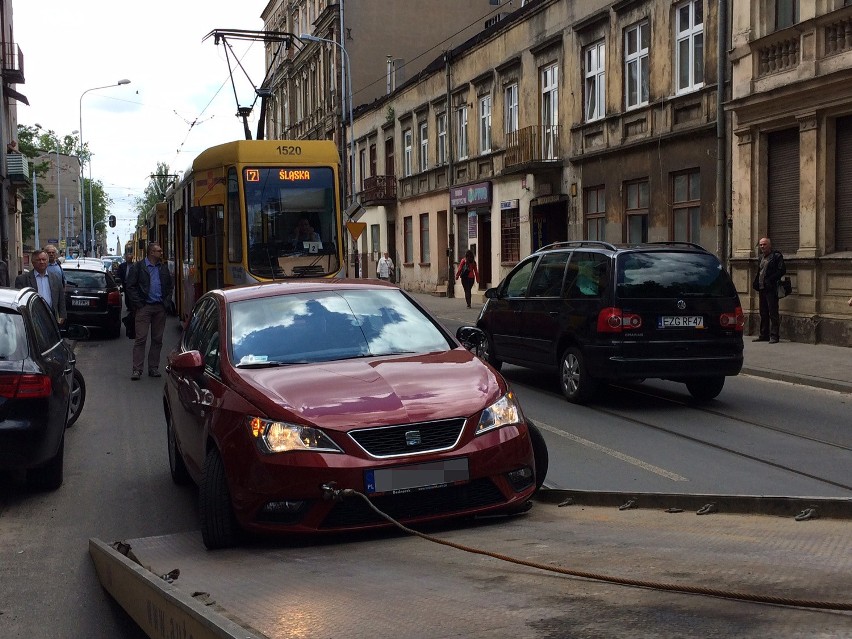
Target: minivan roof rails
687	244
578	244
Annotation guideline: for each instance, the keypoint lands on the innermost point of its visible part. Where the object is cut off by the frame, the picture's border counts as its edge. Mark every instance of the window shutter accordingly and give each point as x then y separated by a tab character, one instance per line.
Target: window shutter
783	177
843	186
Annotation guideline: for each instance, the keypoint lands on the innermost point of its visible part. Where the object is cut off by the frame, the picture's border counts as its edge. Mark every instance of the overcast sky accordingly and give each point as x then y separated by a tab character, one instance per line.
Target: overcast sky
176	79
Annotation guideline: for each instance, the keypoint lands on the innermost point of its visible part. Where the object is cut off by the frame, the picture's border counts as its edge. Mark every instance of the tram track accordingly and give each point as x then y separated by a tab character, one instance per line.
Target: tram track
724	448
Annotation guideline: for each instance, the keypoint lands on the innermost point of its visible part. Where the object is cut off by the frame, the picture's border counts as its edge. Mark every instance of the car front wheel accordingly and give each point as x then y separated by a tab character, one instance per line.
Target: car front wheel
488	353
576	383
78	398
540	453
219	527
706	388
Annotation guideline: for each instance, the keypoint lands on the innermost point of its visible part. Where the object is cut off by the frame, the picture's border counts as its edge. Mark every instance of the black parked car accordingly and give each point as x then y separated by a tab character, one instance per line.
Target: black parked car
92	296
596	312
37	387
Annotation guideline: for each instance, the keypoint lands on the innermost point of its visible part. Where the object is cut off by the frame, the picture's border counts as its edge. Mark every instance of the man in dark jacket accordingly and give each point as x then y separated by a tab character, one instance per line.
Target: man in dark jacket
770	270
148	286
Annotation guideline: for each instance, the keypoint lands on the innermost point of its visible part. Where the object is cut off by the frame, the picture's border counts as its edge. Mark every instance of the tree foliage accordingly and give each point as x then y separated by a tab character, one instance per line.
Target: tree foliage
161	179
35	142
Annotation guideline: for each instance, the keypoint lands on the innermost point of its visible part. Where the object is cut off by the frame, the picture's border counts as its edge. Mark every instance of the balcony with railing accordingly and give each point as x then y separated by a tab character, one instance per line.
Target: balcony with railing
13	64
533	144
379	189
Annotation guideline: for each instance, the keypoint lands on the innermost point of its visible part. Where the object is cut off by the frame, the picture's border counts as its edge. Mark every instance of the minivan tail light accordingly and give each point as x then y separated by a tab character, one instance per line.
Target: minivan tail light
114	298
614	320
735	320
25	386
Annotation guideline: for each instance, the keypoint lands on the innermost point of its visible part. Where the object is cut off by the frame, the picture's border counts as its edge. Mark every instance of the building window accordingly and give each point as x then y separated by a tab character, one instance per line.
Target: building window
637	39
595	89
510	236
461	131
549	111
686	207
689	54
441	122
375	241
787	13
636	208
424	146
424	238
406	152
510	101
408	239
485	124
362	165
595	203
373	159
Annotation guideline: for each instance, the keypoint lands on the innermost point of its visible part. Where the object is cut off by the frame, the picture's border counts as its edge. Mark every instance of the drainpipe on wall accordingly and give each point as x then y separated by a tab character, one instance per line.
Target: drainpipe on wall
4	193
721	165
451	244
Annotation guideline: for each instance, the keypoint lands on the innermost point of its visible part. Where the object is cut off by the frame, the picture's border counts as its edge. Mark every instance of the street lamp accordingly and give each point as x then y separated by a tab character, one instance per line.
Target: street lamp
351	165
82	171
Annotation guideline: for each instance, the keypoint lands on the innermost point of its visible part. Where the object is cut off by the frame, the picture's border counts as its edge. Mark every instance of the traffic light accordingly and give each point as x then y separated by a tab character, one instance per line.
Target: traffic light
112	220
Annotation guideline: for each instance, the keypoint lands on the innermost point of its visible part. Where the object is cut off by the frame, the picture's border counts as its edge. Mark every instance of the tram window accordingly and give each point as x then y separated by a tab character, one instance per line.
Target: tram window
235	226
196	221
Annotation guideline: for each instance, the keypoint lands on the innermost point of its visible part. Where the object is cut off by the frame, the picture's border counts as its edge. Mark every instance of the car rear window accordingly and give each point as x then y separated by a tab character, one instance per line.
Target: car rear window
85	279
13	341
671	274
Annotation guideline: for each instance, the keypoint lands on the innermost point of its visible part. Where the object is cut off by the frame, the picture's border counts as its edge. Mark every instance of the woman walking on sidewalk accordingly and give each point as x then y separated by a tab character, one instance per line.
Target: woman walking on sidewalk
468	274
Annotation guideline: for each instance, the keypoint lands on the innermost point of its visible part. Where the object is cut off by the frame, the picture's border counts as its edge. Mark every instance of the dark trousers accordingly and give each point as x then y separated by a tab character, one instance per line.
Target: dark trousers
151	317
769	317
467	285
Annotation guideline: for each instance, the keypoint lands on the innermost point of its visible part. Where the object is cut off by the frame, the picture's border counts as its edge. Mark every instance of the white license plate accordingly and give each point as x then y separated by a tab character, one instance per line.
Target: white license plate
416	476
79	302
680	321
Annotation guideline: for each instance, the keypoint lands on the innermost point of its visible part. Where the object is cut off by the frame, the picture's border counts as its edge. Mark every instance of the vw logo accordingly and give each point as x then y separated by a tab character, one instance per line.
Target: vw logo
412	438
681	304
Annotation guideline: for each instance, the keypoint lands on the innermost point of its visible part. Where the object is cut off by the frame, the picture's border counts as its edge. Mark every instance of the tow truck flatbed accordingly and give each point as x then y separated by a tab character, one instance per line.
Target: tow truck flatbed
392	585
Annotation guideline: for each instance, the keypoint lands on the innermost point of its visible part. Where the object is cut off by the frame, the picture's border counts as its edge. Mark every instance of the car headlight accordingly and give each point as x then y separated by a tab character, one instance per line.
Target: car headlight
282	437
503	412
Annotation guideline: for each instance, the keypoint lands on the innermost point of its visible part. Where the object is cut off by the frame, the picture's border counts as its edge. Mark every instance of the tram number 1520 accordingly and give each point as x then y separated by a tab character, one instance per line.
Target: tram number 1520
290	150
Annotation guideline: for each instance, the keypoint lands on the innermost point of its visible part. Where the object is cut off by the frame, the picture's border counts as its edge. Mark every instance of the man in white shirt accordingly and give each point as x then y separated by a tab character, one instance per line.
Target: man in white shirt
52	261
48	284
384	267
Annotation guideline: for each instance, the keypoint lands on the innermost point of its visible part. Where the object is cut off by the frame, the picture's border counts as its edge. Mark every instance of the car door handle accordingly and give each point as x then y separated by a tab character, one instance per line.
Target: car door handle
554	313
68	370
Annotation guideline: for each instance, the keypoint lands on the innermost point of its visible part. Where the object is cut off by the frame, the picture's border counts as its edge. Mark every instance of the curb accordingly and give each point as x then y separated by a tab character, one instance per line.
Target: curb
801	379
829	508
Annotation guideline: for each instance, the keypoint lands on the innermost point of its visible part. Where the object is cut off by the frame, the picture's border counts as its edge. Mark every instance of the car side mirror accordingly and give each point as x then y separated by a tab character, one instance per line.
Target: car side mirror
491	294
472	338
188	363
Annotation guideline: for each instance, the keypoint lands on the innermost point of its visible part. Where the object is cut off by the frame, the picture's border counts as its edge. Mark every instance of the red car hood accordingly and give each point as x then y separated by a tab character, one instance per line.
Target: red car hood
388	390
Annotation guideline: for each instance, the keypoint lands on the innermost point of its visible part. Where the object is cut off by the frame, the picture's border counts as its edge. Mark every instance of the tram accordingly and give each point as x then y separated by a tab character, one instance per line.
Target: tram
254	211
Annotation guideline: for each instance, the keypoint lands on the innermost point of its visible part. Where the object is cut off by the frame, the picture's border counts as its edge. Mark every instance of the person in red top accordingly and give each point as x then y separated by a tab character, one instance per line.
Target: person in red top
468	273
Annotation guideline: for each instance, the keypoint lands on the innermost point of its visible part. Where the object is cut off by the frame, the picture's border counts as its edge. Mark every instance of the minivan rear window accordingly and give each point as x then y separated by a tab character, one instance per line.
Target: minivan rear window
671	274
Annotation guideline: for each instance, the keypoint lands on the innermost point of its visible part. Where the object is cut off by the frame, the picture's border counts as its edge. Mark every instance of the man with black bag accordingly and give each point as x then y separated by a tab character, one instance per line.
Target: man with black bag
149	285
769	273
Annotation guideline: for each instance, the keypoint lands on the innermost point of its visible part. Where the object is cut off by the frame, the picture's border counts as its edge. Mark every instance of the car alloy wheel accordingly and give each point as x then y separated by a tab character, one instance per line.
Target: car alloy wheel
576	383
77	399
488	353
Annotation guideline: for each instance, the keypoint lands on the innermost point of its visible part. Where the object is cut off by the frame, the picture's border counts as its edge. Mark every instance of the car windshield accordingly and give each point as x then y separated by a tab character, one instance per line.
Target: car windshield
85	279
671	274
13	343
311	327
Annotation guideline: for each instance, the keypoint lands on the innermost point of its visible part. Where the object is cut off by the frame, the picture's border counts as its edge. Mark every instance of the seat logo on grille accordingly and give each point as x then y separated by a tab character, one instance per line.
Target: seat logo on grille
412	438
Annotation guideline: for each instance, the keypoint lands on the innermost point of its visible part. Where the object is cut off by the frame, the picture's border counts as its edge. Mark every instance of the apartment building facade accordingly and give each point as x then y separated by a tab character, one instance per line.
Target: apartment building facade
564	121
791	158
14	168
60	219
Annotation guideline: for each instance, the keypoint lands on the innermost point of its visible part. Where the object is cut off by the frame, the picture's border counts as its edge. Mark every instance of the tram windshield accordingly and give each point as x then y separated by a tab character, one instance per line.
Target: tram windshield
291	221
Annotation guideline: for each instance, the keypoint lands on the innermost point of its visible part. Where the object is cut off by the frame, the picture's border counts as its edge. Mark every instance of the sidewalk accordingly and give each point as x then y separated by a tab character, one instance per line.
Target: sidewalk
817	365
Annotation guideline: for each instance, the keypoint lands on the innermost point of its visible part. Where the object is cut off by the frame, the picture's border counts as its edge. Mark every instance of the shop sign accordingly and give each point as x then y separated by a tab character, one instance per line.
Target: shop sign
471	194
508	205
